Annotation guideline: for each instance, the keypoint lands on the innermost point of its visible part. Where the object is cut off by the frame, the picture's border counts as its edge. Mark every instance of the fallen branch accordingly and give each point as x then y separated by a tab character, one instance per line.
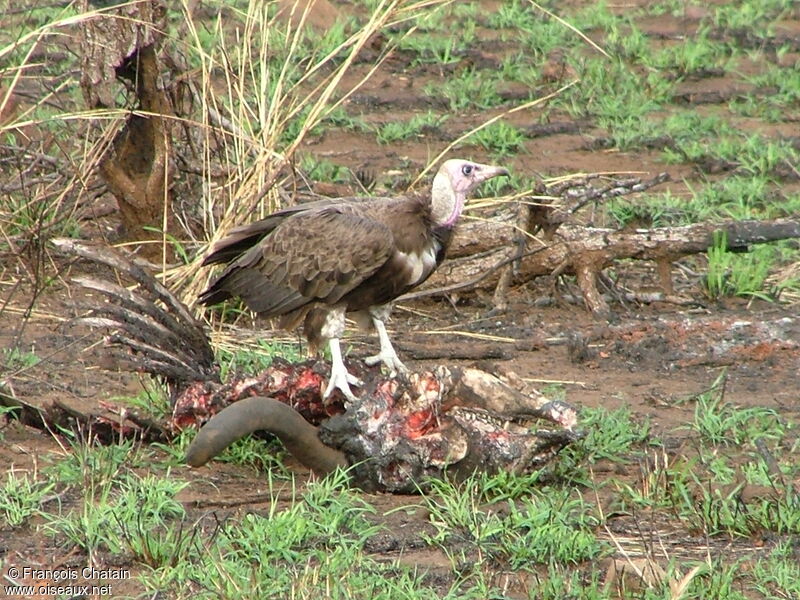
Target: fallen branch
585	251
540	238
108	428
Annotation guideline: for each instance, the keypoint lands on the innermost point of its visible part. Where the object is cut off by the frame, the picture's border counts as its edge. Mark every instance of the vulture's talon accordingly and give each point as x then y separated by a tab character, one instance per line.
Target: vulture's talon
390	360
387	355
343	385
340	377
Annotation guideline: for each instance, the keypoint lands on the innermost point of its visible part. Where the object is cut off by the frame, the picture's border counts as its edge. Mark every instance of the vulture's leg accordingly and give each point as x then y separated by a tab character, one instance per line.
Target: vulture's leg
340	378
327	324
387	355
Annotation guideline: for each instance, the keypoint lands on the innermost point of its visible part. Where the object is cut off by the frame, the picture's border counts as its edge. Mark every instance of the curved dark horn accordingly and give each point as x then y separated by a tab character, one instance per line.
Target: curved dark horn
260	413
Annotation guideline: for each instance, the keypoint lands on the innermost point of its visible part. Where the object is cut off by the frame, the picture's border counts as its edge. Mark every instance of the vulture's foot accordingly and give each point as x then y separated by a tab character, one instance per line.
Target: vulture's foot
342	380
387	355
389	359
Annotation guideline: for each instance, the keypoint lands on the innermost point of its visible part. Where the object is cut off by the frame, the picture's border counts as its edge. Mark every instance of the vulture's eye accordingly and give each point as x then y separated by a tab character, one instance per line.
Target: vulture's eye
466	169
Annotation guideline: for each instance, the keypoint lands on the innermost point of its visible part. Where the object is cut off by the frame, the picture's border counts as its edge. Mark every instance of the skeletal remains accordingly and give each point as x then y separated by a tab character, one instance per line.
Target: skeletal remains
399	431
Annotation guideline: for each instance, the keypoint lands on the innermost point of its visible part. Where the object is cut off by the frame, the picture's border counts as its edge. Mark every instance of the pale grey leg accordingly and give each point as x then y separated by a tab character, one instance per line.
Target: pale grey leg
340	378
387	355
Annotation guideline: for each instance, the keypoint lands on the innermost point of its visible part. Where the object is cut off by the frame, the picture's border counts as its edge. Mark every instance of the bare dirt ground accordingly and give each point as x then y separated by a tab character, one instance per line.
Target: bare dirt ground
649	358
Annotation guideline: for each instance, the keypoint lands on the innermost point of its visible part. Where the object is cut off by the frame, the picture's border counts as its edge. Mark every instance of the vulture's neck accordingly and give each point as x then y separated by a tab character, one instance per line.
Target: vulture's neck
446	204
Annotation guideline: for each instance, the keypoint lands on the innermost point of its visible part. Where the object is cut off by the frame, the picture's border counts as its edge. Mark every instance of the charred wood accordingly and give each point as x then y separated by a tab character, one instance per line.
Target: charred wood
121	45
106	428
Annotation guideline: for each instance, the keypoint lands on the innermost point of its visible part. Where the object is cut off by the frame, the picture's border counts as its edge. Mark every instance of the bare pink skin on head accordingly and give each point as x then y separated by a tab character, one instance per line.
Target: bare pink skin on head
461	178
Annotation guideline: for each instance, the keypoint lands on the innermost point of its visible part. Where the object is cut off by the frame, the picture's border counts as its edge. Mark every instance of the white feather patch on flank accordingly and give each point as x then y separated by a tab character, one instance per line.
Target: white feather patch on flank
334	324
420	264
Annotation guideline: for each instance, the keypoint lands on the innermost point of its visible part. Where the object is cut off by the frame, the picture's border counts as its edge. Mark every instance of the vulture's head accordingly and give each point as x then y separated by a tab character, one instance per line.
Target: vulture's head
455	180
465	176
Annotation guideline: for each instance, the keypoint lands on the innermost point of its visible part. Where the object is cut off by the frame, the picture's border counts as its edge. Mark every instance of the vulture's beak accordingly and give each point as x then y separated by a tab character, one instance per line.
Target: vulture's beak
485	172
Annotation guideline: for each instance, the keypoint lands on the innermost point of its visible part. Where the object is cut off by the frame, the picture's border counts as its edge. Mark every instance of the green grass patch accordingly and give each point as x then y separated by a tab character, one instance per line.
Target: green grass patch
341	119
484	515
551	527
95	467
559	582
738	274
256	358
470	88
394	131
128	512
716	511
721	423
720	579
500	139
15	359
754	16
753	155
322	169
611	434
661	210
304	543
776	96
21	497
698	54
256	453
515	14
736	197
705	493
500	186
436	50
152	400
778	575
619	99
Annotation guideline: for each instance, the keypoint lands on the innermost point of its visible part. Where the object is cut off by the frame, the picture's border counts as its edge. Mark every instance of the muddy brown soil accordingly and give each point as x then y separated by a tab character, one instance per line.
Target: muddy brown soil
651	358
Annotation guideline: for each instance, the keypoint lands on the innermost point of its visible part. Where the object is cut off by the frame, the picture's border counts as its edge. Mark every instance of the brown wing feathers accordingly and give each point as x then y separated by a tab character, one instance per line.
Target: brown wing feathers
316	255
242	238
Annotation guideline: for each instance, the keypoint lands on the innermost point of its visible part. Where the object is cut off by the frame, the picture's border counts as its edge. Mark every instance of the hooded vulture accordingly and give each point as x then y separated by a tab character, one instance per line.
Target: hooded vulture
316	262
